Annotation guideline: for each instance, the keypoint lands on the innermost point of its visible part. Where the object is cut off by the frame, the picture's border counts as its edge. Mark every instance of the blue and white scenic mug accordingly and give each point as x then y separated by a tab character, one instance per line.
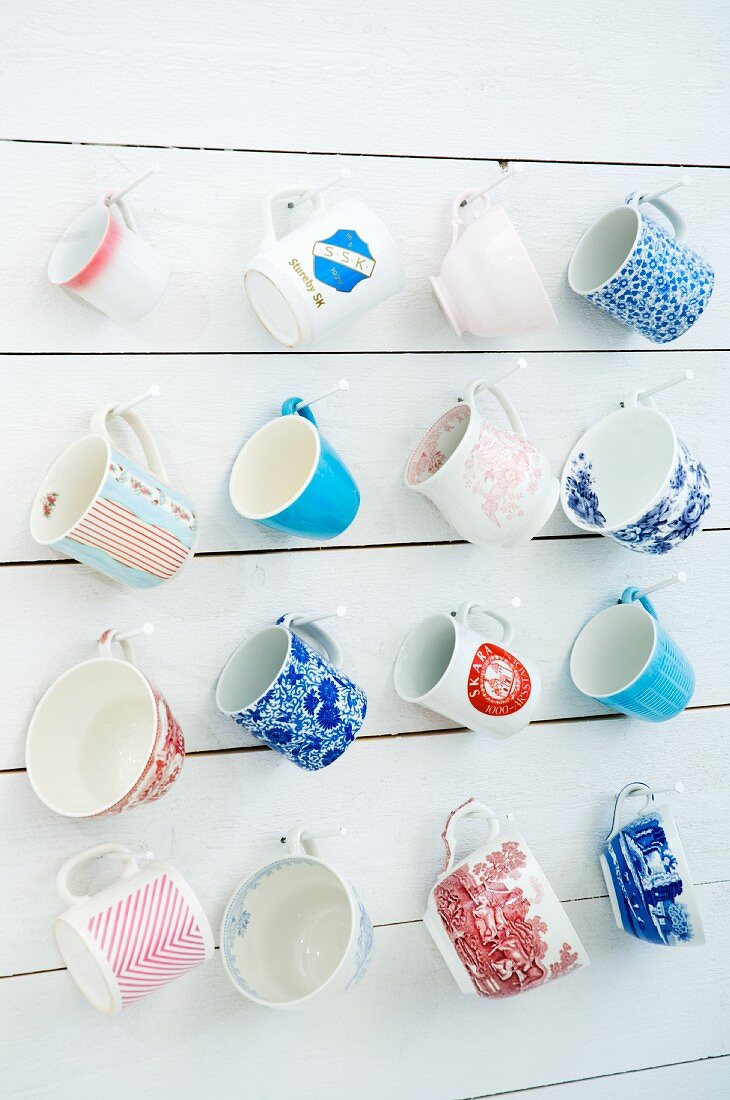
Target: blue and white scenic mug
629	266
288	477
625	658
291	695
647	876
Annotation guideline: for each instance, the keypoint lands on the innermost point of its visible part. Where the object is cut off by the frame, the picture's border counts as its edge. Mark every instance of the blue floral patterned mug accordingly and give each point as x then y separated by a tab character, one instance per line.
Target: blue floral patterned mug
647	876
632	268
291	695
630	478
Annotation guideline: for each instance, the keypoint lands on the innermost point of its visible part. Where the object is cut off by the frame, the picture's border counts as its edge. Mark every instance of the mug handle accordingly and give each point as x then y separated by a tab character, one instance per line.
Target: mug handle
458	225
289	408
675	219
621	797
477	384
470	808
300	842
267	208
129	868
140	429
462	616
106	641
323	641
629	596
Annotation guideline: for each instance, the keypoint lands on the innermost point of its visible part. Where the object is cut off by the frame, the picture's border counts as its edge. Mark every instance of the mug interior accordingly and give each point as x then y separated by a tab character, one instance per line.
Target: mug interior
274	467
272	308
604	249
79	244
69	489
91	736
437	445
83	967
252	670
297	930
424	657
612	650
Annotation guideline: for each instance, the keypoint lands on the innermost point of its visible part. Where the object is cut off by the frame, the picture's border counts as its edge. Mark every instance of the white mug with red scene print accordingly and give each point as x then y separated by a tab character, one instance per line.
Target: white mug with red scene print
451	668
494	916
103	738
493	486
143	931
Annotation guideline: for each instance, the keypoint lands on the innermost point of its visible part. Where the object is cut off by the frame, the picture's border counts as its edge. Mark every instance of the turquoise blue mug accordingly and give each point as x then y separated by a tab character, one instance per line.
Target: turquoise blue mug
626	659
289	478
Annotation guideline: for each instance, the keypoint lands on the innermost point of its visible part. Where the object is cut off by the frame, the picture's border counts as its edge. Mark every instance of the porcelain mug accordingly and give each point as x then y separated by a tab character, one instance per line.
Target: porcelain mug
292	695
143	931
121	517
493	486
107	263
451	668
103	738
335	267
632	479
625	658
647	876
289	478
495	917
629	266
488	285
295	932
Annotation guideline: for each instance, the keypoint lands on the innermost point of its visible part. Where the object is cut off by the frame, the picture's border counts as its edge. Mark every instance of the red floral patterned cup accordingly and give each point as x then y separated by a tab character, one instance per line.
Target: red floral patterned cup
494	916
103	738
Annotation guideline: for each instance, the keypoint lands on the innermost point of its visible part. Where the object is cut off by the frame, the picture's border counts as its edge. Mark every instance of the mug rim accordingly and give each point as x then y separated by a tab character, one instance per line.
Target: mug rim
399	657
260	265
418	488
239	648
586	233
77	443
90	260
594	618
241	457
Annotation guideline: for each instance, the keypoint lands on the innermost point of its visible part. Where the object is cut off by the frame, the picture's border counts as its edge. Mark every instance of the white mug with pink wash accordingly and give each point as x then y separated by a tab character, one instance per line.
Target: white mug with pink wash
104	260
141	932
493	486
457	671
340	263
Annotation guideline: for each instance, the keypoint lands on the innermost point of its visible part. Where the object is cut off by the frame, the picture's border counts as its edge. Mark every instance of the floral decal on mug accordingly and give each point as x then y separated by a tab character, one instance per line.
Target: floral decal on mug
502	468
49	503
435	447
498	683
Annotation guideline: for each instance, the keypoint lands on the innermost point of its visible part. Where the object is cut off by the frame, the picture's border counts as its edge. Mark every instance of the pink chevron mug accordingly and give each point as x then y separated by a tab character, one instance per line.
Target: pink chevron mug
103	738
143	931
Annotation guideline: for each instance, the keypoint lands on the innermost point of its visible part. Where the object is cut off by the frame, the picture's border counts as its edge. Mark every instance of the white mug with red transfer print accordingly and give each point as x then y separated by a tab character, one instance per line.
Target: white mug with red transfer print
103	738
495	917
451	668
493	486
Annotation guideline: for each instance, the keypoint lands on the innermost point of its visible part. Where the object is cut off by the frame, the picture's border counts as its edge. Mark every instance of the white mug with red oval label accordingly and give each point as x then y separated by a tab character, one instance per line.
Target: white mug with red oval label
458	671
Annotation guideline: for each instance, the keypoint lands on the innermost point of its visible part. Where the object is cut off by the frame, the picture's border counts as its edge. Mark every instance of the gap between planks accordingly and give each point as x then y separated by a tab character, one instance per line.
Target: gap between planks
373	354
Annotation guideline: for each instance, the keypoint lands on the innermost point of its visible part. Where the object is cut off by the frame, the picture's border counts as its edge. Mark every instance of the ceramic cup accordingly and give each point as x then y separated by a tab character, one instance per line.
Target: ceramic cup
336	266
488	285
289	478
291	694
495	917
105	261
103	738
295	932
632	479
113	513
647	876
143	931
624	657
459	672
493	486
632	268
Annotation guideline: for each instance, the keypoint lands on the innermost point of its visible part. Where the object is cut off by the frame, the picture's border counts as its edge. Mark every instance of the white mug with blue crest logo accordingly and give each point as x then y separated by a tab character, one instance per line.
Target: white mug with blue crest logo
340	263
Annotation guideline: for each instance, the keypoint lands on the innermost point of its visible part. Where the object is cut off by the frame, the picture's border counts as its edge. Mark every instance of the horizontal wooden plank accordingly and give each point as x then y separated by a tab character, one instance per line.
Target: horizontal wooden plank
226	813
203	213
56	612
405	1032
485	79
708	1078
212	404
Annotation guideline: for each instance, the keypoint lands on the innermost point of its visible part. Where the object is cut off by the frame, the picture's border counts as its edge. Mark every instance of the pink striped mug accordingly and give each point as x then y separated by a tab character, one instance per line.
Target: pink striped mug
105	509
103	738
143	931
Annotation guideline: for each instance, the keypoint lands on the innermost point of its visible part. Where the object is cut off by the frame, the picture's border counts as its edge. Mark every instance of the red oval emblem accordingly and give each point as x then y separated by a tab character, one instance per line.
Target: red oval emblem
498	683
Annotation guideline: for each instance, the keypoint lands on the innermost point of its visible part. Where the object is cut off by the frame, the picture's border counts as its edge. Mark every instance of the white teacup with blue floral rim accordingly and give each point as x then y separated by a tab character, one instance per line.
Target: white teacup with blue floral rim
632	268
295	932
646	872
632	479
291	694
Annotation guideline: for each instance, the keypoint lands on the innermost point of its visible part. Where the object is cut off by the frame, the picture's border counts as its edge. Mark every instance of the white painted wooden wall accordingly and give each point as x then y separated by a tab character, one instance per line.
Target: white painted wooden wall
232	99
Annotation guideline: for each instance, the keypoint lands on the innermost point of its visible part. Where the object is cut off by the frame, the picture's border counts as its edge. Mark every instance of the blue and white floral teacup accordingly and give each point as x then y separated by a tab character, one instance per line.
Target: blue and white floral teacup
630	478
647	876
295	932
291	695
632	268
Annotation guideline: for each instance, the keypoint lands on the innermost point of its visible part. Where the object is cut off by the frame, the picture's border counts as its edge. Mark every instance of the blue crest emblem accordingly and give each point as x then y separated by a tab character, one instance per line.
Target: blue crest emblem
342	260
